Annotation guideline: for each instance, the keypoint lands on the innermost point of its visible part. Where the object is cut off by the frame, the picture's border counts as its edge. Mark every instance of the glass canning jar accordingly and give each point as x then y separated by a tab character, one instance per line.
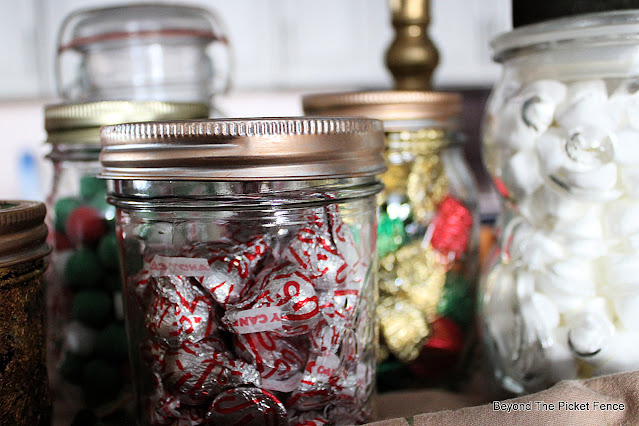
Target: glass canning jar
249	261
427	233
560	293
142	52
24	388
86	341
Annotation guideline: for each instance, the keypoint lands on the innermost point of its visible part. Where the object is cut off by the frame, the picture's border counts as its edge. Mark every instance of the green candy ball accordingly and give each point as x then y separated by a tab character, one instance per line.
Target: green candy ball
456	301
108	252
62	209
101	381
71	368
92	307
113	282
391	235
100	203
111	343
83	269
91	186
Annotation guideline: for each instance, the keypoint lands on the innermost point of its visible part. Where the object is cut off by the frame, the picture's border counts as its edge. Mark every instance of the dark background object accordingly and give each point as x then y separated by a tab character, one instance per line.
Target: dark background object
532	11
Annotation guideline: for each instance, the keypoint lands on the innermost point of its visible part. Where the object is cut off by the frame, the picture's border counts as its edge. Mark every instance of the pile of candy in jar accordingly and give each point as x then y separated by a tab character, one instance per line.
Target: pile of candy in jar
270	329
566	155
427	264
86	315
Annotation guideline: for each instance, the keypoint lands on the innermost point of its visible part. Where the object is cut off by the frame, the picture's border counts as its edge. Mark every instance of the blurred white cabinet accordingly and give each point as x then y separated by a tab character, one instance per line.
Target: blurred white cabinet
278	44
19	63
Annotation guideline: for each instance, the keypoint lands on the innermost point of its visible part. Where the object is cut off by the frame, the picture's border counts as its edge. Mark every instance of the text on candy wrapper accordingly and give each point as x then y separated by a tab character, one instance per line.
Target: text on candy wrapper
162	266
257	320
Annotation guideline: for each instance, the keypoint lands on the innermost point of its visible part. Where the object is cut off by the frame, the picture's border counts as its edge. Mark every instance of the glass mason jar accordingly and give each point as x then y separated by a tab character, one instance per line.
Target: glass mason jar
24	389
142	52
560	294
86	339
250	270
427	235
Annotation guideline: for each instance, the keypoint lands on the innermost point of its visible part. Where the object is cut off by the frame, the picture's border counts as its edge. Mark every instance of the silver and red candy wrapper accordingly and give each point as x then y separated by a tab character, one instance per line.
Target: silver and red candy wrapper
260	331
233	266
286	303
245	406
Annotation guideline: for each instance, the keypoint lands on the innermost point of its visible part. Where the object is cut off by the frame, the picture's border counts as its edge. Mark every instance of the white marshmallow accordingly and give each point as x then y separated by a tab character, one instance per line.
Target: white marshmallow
626	146
623	104
568	283
587	226
552	91
79	339
509	130
160	233
550	150
547	205
602	178
620	355
620	270
533	248
589	332
521	174
621	218
627	309
586	103
629	178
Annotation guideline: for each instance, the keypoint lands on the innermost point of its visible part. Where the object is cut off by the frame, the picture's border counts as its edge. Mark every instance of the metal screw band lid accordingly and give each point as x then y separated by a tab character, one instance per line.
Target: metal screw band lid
81	122
22	231
243	149
440	107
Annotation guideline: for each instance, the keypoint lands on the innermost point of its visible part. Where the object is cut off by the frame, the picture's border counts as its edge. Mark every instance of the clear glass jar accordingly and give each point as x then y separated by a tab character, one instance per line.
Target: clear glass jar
24	388
86	339
250	268
142	52
427	236
559	294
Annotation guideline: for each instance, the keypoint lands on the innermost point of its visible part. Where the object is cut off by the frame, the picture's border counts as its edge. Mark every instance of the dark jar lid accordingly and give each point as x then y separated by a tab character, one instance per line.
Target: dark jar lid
525	12
22	232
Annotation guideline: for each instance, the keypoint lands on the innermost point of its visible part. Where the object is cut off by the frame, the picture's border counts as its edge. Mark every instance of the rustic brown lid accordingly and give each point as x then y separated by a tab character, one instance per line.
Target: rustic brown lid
243	149
22	231
388	106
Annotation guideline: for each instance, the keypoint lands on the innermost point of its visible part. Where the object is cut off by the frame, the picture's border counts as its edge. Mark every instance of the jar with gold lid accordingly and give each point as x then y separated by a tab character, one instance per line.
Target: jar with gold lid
24	390
87	352
427	233
250	267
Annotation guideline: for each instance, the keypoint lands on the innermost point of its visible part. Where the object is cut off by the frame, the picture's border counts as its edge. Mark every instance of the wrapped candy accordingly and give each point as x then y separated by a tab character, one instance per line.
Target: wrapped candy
233	326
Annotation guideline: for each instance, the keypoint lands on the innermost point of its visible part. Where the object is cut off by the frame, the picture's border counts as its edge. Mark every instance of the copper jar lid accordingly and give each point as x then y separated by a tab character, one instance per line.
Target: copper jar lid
22	232
294	148
80	123
392	107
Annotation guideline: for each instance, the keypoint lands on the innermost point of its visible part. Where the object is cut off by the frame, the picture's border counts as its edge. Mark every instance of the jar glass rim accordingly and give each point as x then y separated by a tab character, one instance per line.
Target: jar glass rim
608	26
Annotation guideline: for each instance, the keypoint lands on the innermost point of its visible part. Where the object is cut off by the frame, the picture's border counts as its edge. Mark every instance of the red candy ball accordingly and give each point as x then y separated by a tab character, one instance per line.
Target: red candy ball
85	225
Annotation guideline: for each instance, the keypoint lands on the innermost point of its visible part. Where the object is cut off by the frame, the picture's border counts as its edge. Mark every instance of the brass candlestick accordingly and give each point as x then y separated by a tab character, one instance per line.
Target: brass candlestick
412	56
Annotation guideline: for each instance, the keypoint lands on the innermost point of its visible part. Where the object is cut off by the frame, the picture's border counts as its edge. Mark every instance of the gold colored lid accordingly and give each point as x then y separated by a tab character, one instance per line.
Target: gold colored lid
81	122
389	106
22	231
243	149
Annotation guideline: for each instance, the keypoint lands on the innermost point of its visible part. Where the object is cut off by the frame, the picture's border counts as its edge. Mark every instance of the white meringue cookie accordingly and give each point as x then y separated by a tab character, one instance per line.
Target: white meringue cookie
627	309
